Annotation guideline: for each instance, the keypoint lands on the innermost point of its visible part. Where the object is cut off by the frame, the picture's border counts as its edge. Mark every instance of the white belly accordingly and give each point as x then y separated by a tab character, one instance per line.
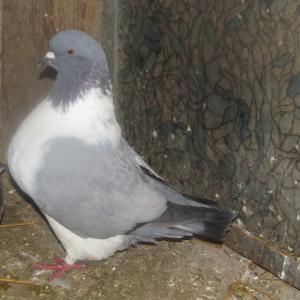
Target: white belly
79	248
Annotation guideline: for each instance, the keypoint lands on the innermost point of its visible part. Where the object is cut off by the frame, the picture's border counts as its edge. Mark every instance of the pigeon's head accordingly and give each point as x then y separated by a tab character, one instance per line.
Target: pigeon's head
72	46
80	63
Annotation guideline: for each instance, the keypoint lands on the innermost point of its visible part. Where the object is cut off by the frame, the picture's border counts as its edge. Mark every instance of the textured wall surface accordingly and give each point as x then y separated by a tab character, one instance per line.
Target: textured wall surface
209	92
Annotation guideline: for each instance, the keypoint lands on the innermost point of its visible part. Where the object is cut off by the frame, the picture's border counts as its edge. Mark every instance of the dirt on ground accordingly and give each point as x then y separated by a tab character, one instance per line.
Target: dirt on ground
190	269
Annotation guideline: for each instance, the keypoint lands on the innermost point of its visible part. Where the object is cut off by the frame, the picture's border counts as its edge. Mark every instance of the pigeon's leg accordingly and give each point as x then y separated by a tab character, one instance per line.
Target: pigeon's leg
60	268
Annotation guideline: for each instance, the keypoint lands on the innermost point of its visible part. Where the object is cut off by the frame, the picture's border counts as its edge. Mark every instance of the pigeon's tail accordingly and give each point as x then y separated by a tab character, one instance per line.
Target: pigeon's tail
208	223
179	221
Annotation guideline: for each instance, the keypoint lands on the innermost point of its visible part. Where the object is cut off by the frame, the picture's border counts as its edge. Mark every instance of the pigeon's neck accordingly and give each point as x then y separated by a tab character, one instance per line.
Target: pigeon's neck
74	81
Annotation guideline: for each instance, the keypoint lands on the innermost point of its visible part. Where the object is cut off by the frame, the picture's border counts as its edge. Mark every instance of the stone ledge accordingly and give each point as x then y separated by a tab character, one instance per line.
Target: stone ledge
281	263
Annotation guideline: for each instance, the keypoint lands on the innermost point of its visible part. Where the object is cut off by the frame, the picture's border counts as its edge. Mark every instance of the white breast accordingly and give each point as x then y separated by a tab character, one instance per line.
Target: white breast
90	119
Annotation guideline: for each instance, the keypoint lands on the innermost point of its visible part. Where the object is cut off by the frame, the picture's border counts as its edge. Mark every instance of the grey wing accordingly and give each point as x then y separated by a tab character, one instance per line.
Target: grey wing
95	191
167	190
140	161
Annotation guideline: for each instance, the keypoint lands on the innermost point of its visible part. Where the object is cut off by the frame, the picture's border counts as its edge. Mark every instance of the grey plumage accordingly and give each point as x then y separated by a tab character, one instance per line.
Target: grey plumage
102	190
105	192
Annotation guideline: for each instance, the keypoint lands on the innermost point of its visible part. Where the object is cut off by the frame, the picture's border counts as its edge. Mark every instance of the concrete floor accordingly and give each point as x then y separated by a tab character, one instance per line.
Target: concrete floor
191	269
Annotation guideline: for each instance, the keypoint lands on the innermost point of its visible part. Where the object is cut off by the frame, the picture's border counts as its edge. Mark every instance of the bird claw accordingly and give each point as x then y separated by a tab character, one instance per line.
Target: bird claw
60	268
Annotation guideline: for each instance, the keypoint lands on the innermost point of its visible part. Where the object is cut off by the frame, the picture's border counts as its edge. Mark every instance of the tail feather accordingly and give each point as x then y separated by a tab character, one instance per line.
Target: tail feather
185	215
151	231
179	221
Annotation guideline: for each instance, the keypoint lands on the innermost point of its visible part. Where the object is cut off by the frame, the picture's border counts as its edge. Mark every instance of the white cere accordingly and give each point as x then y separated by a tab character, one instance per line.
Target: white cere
50	55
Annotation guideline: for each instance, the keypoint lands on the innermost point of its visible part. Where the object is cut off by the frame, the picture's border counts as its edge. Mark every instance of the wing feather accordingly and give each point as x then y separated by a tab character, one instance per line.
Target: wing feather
94	190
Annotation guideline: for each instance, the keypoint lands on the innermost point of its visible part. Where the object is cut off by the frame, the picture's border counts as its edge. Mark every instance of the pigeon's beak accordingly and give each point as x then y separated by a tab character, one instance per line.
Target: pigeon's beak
47	59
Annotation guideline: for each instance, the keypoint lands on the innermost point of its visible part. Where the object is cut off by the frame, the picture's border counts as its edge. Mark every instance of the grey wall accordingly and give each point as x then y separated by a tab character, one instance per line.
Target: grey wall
209	92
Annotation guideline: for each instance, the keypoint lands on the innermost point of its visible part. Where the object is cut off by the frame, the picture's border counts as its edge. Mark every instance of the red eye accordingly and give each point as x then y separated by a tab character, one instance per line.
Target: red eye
71	51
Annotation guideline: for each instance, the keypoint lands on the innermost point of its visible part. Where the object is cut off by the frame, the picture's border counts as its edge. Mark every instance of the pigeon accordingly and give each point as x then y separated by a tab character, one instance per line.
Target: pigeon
97	194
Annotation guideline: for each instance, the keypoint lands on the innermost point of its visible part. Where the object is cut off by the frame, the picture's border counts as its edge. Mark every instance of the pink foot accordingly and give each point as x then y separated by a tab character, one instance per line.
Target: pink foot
60	268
